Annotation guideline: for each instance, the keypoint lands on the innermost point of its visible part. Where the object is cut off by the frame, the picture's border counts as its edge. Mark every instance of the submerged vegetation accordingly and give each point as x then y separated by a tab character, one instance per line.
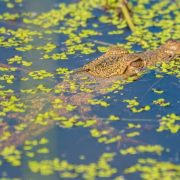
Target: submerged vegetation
39	93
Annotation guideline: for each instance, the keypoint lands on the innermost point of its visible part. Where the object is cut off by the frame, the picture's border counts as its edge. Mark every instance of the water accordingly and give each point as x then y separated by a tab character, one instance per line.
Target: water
35	145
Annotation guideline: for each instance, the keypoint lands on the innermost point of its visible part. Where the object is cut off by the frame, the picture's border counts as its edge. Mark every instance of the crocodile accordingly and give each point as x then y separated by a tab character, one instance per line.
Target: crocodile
114	63
118	61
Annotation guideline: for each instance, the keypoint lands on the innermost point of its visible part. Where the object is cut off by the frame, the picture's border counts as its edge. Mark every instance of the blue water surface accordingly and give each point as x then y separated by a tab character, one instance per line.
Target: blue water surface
72	143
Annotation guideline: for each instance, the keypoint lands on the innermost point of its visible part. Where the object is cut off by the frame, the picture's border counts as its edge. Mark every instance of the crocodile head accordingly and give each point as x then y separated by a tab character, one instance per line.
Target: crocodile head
109	65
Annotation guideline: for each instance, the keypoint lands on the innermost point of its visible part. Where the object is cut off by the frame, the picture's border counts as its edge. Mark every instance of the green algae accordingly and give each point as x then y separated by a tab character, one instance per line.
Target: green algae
169	122
142	149
153	169
133	105
72	21
68	170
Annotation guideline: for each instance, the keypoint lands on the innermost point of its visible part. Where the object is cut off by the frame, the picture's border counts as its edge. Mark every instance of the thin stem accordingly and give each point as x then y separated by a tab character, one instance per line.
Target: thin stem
100	42
126	14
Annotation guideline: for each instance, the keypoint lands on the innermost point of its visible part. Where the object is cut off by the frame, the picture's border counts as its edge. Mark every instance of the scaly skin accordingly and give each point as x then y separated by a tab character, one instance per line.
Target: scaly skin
118	61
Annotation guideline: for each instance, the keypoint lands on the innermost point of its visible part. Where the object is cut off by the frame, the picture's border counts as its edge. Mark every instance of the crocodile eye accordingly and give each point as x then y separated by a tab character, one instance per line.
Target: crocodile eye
137	64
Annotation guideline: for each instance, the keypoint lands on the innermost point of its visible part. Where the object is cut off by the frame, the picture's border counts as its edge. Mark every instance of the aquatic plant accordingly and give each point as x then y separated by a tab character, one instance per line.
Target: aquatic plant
39	92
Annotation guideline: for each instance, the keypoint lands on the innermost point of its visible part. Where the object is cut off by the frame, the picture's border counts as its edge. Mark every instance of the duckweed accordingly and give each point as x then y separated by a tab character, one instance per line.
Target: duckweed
41	74
68	170
161	102
143	149
29	104
99	102
153	169
158	91
169	122
133	103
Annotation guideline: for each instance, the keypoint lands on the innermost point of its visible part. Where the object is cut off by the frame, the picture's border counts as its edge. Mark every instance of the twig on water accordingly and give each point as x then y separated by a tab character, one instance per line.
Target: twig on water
125	11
